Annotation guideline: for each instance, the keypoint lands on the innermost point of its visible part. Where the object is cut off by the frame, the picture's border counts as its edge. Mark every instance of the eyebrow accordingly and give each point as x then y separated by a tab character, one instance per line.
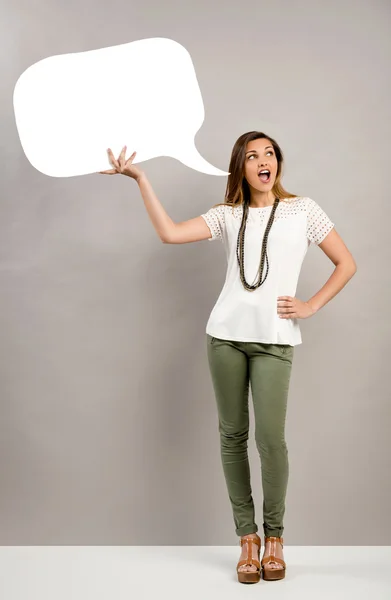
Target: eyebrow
255	150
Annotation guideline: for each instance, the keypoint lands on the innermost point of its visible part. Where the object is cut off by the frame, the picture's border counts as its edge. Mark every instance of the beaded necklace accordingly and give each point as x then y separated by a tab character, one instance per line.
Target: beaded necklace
240	248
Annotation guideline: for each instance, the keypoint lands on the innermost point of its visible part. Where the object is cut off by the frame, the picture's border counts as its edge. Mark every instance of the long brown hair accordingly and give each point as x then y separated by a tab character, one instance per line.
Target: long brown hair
237	190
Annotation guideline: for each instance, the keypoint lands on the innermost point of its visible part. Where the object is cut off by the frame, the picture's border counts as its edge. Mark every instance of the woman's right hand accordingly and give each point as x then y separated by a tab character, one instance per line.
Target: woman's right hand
123	166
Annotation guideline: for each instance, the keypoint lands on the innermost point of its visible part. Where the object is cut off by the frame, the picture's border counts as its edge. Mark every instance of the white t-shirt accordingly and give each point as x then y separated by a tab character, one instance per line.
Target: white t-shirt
251	316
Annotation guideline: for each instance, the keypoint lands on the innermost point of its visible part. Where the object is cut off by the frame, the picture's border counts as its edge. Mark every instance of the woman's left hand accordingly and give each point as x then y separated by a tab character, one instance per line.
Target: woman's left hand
289	307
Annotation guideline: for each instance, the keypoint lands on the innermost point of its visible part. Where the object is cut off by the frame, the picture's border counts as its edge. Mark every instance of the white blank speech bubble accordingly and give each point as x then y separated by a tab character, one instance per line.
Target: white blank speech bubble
70	108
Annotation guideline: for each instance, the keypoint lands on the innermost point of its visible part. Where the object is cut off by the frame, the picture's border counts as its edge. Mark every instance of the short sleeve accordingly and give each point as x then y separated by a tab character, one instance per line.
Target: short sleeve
318	223
215	219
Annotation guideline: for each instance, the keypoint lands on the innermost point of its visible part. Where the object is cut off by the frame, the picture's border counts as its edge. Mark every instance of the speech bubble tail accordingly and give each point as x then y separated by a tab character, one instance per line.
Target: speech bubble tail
190	157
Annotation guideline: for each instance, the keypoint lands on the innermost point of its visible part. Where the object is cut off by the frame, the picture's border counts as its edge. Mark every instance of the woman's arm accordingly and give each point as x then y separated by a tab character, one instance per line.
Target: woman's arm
169	232
161	221
345	267
193	230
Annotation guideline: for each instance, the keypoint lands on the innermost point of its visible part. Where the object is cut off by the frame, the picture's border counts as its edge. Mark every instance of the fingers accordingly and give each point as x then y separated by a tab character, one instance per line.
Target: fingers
119	163
121	158
130	159
112	159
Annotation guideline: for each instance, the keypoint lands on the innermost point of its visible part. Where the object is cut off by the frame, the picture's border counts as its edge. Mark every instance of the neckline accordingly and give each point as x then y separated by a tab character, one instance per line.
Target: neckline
261	207
282	201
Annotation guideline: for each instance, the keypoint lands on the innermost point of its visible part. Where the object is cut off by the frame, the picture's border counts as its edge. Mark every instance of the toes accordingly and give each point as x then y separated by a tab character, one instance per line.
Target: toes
273	565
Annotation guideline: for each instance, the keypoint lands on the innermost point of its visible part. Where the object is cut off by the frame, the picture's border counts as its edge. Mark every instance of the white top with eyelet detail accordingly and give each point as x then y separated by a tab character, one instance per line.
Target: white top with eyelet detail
251	316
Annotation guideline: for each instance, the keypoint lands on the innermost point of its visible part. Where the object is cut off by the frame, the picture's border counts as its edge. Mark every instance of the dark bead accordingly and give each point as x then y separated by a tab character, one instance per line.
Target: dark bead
240	243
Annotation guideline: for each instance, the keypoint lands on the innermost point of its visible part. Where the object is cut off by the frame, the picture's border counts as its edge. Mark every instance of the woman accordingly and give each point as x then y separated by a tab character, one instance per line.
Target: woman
253	328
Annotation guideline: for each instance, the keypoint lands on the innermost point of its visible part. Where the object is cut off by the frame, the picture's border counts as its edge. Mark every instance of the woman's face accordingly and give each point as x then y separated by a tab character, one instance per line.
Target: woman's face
260	155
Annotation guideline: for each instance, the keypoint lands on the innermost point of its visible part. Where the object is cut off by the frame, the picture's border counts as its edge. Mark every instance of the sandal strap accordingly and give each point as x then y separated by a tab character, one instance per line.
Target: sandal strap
249	562
247	540
273	538
271	558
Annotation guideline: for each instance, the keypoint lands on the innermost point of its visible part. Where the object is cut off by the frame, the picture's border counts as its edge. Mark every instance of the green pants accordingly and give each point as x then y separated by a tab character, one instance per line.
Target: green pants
267	367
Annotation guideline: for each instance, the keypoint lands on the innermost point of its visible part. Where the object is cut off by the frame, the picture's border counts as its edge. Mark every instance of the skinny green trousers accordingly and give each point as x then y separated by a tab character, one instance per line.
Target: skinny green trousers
267	367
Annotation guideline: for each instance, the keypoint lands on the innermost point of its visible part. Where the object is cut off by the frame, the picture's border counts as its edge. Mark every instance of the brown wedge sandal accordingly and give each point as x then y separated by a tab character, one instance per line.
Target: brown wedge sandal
250	576
273	574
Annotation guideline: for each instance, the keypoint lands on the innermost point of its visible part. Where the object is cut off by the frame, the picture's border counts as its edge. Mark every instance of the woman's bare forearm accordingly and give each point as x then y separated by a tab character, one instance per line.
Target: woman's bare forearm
161	221
342	273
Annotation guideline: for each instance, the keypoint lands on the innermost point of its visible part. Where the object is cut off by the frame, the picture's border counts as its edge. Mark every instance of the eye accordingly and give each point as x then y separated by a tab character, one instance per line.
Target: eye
268	152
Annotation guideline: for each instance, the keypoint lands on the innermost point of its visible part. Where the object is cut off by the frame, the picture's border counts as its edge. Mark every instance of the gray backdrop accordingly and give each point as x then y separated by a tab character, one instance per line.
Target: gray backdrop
108	425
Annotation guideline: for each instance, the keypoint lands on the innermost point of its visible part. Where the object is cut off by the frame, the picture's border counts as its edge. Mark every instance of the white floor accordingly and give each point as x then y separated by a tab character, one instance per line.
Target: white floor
187	572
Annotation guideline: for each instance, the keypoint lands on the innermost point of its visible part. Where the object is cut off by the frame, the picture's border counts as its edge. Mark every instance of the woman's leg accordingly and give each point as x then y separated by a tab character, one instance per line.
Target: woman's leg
270	369
228	365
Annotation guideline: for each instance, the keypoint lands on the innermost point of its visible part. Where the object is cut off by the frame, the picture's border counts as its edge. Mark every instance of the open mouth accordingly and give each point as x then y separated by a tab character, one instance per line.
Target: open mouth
264	175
